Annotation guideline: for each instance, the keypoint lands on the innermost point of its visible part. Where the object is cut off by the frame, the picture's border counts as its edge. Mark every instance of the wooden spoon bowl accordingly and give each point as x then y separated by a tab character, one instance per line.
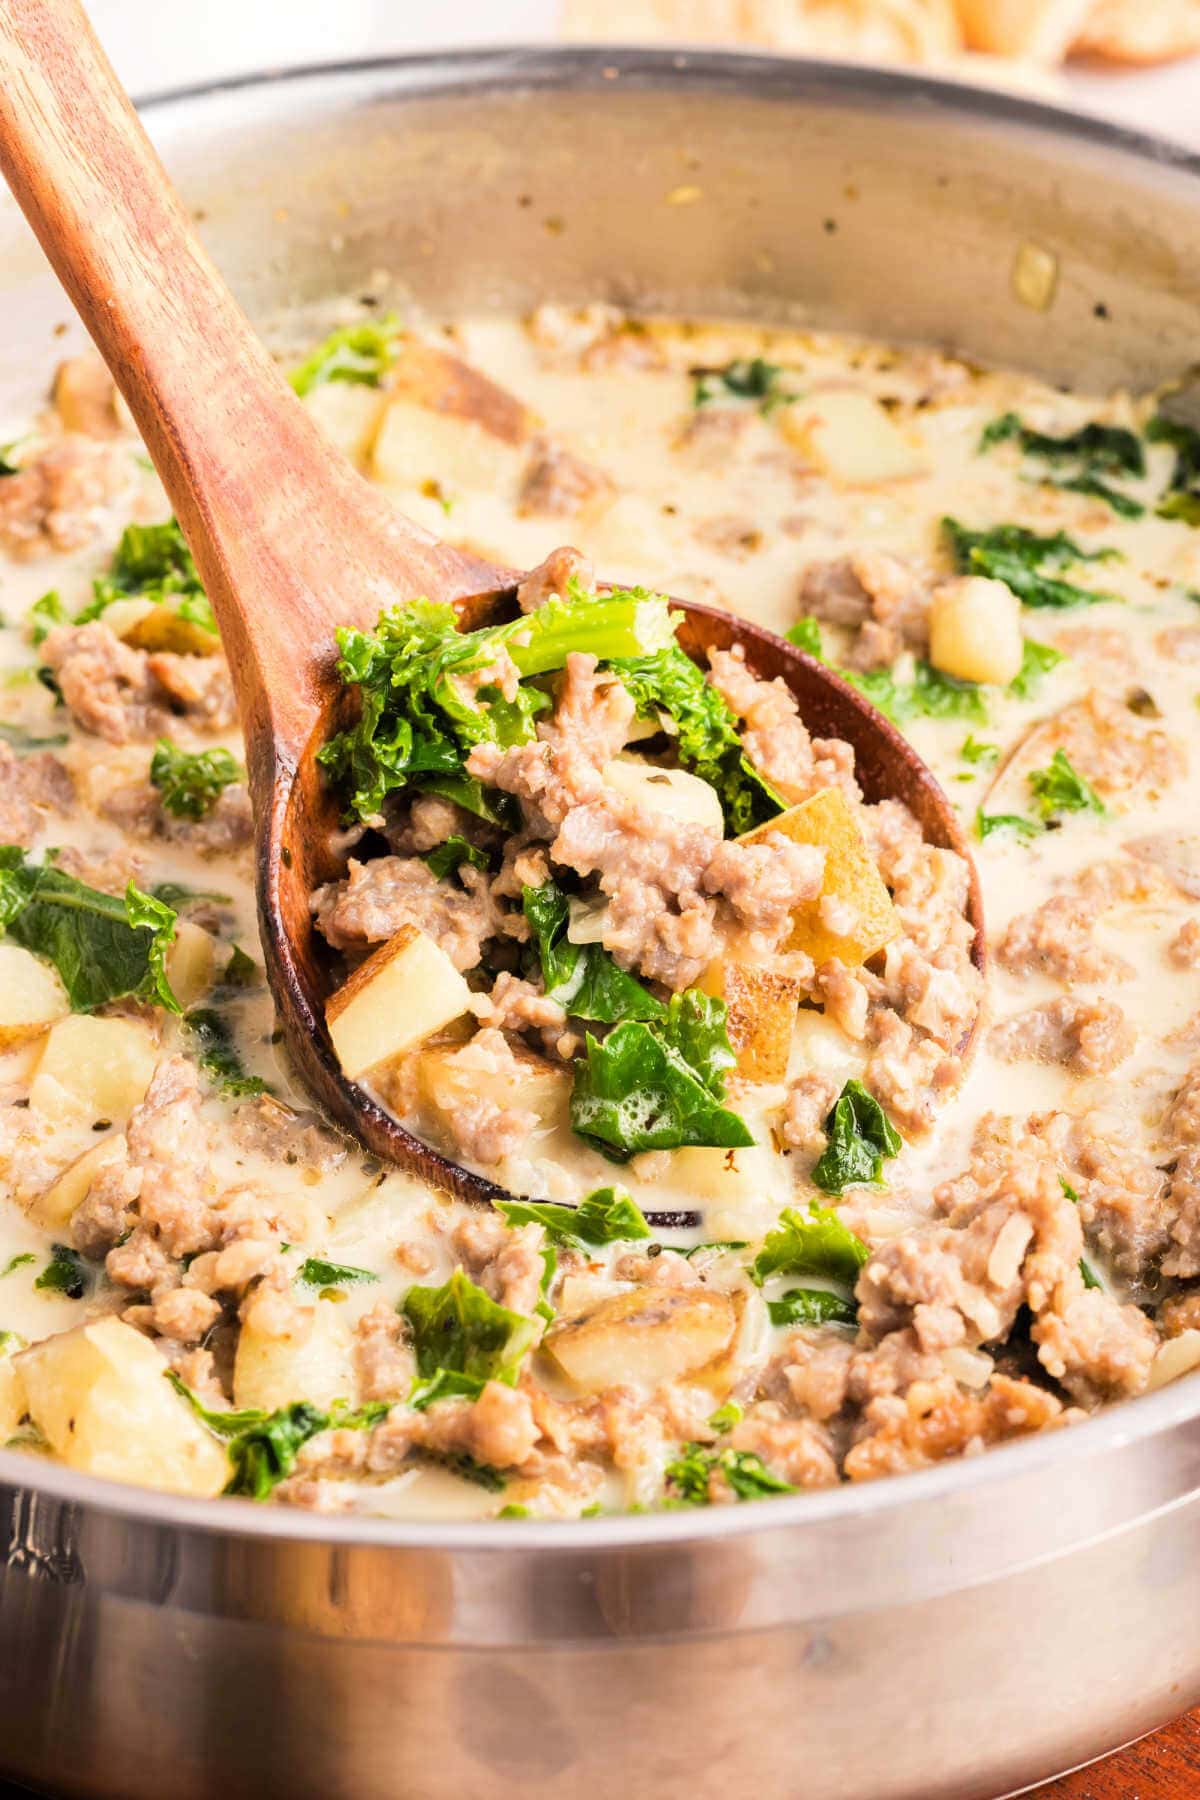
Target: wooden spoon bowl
303	970
288	538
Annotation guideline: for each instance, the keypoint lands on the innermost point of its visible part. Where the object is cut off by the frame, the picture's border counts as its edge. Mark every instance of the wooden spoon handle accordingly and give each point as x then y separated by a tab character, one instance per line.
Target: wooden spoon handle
283	530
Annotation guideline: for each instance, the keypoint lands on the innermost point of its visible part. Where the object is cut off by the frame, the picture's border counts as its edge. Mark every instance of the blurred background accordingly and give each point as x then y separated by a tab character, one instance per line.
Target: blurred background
1135	60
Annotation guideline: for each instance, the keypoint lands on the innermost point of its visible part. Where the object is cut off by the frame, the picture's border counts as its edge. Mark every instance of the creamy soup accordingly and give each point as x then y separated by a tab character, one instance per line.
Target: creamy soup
955	1212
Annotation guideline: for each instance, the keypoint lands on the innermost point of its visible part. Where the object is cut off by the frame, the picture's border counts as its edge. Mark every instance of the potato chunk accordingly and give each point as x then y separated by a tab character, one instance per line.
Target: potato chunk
402	994
975	630
446	421
671	791
433	379
852	884
190	962
761	1006
96	1067
54	1209
315	1363
348	413
100	1397
642	1337
449	1079
31	995
851	438
159	625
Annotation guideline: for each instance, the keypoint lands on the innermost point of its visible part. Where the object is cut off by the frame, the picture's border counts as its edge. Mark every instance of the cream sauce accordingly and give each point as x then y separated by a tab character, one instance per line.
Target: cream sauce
735	525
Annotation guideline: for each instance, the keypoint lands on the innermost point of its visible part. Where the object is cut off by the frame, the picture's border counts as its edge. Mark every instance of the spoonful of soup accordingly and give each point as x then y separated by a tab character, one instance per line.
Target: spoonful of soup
556	880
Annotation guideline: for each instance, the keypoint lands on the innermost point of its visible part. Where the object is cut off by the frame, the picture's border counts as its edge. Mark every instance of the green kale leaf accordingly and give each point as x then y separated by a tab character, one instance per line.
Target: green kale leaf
420	720
17	1262
64	1273
1123	504
606	1216
658	1086
104	948
152	562
812	1243
1037	660
745	378
861	1136
1099	447
707	741
217	1053
1020	557
445	858
460	1332
583	978
812	1306
688	1476
192	781
263	1446
319	1272
930	694
45	614
1022	828
1059	788
1095	450
974	750
361	354
1182	501
806	635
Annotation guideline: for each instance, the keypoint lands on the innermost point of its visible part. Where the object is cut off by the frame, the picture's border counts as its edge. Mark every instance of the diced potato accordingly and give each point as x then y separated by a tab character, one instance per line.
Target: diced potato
123	616
414	447
164	627
31	995
446	421
642	1338
54	1209
190	962
671	791
99	1395
747	1349
401	995
450	1078
1178	1356
348	412
761	1010
975	630
85	397
821	1047
100	1068
851	438
12	1398
316	1363
851	879
438	382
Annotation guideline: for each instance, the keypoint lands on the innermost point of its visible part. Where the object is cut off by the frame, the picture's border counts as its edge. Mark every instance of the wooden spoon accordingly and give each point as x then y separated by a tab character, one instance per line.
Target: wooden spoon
289	540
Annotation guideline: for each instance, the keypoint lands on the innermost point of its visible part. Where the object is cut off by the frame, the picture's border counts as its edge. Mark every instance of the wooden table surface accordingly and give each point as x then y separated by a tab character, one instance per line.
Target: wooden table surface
1163	1767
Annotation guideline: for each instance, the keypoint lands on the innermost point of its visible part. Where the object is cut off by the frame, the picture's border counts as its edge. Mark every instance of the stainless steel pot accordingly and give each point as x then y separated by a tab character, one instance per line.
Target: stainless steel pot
960	1633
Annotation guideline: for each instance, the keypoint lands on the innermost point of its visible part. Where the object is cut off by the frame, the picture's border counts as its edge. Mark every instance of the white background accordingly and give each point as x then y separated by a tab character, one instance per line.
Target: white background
160	44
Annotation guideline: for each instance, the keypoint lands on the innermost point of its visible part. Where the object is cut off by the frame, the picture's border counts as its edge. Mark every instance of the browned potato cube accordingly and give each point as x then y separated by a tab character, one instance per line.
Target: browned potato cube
760	1017
642	1337
433	379
851	878
404	992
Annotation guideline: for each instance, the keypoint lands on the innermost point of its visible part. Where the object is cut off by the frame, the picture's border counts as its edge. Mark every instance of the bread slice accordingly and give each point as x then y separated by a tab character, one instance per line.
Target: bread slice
1141	31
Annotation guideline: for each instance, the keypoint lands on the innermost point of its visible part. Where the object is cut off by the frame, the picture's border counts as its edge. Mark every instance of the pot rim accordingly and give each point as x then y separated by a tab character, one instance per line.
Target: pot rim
509	68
